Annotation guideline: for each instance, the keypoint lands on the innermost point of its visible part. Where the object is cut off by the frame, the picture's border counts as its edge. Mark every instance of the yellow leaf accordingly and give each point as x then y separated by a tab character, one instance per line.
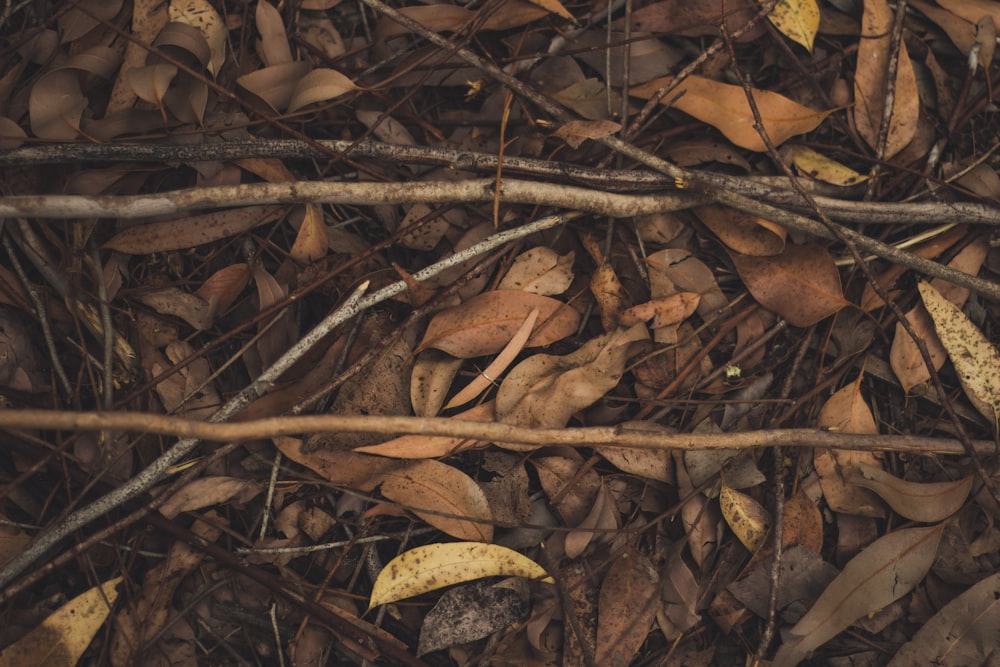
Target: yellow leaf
822	168
798	20
435	566
555	7
63	637
745	516
976	361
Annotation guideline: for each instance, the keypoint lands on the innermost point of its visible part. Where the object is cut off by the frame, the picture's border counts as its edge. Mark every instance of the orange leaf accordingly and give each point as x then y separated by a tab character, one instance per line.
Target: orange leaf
725	107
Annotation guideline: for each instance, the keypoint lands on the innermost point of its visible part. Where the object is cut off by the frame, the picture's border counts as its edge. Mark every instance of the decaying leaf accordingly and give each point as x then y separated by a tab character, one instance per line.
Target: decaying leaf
428	568
485	323
655	464
62	638
818	166
201	15
467	613
801	284
193	230
918	501
881	574
746	517
431	379
725	107
976	360
540	270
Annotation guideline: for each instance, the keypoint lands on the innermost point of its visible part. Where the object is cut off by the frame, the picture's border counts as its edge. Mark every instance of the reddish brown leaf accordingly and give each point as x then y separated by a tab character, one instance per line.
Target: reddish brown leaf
629	599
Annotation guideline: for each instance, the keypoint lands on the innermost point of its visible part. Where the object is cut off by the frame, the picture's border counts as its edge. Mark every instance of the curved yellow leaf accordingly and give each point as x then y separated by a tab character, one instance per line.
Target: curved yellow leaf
818	166
435	566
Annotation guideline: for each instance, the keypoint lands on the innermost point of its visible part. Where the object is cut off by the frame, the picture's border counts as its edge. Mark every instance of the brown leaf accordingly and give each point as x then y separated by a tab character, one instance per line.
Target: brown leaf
275	85
545	390
655	464
963	632
319	85
311	243
663	312
11	134
870	82
629	600
441	495
223	287
575	132
201	14
355	471
206	491
151	83
174	301
673	270
742	232
881	574
682	17
801	284
273	45
918	501
430	381
192	230
485	323
418	446
725	107
540	270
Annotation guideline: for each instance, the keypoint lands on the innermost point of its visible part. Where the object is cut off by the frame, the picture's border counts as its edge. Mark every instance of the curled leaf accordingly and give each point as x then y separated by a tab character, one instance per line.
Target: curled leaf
319	85
435	566
917	501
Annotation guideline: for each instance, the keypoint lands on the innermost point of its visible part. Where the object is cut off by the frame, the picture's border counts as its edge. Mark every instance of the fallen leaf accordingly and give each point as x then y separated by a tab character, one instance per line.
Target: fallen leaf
746	517
882	573
963	632
66	633
816	165
546	390
870	82
222	288
801	284
273	46
176	302
428	568
673	270
486	378
320	85
725	107
206	491
275	85
430	380
628	602
467	613
418	446
540	270
663	312
443	496
311	243
976	360
555	7
485	323
11	134
798	20
191	231
918	501
746	234
575	132
655	464
201	15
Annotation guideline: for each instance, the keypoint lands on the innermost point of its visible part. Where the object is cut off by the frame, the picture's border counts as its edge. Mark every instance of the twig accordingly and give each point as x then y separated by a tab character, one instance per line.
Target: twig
619	436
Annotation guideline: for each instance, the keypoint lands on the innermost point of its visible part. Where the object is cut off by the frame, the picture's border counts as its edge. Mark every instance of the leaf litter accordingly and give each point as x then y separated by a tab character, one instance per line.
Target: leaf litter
709	319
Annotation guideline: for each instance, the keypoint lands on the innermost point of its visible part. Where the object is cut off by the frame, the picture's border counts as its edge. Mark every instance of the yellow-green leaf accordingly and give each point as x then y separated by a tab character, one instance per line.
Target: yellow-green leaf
435	566
976	361
798	20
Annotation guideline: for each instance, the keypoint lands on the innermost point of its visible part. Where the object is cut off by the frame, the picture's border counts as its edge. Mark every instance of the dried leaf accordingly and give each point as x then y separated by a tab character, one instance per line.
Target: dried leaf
655	464
746	234
66	633
540	270
497	367
976	360
385	127
319	85
311	243
192	231
746	517
818	166
870	82
447	18
273	46
201	15
546	390
801	284
223	287
628	602
275	85
486	322
683	17
673	270
206	491
151	83
176	302
82	17
11	134
963	632
725	107
467	613
798	20
555	7
575	132
430	381
355	471
428	568
663	312
881	574
440	494
918	501
417	446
